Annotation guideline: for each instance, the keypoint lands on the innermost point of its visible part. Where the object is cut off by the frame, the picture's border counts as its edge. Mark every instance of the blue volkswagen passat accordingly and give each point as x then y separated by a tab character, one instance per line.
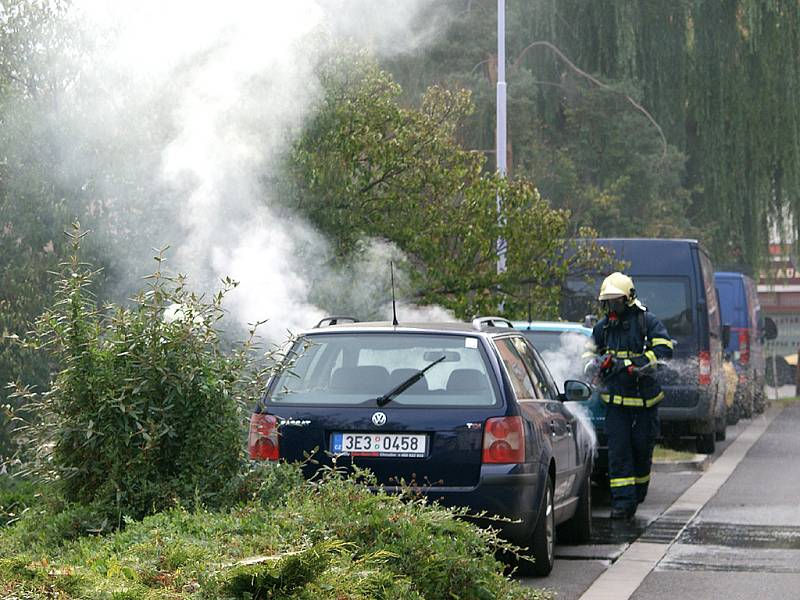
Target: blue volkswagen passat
466	414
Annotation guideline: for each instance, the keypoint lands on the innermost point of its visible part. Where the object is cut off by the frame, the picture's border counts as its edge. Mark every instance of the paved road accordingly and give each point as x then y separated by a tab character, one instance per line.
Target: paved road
743	543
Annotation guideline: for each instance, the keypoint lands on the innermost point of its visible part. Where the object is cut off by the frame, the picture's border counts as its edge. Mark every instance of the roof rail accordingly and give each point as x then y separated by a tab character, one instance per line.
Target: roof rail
480	323
334	320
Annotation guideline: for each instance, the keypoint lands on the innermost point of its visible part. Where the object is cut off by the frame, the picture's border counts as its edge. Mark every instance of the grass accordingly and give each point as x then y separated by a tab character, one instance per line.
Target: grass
661	453
786	401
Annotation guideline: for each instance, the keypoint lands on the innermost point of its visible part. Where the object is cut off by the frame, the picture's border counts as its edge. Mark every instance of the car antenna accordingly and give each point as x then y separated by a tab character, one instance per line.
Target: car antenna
394	303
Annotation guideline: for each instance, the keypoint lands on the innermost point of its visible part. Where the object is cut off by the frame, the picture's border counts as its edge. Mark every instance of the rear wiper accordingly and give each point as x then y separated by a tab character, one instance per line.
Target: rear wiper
388	396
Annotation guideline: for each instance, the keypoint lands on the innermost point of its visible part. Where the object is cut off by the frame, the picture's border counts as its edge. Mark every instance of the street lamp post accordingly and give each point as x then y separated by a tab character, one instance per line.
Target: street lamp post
501	122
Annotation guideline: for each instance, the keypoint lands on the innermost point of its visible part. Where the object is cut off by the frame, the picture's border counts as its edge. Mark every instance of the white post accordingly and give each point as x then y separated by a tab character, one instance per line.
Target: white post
501	121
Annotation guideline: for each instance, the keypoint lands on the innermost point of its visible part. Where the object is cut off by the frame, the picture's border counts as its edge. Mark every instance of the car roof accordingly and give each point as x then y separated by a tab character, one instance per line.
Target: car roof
730	275
560	326
387	327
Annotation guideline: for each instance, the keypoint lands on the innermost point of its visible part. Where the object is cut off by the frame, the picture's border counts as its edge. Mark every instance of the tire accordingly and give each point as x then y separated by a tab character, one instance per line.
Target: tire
720	436
733	414
746	406
706	443
602	480
543	539
578	530
759	402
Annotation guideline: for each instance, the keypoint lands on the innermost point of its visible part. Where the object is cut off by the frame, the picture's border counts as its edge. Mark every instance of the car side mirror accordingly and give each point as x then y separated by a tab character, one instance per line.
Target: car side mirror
726	335
770	329
576	391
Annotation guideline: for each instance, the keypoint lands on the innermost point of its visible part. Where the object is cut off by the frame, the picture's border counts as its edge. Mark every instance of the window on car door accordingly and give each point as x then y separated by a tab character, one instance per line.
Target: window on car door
541	376
516	369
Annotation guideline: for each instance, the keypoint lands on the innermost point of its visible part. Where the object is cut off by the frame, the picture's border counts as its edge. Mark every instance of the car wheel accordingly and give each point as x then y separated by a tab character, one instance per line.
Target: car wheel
706	444
721	415
578	530
746	408
759	402
602	480
733	414
543	539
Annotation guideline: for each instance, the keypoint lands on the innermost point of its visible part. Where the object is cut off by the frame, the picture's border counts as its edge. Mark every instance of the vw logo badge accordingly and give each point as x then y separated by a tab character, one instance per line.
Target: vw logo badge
379	419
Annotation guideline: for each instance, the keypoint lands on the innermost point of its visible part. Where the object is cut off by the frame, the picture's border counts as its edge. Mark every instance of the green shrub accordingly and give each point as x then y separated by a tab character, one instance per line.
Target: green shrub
324	540
148	408
16	497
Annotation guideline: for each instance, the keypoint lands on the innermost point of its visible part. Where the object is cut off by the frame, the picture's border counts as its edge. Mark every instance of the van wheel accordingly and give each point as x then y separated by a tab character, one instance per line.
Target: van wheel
578	530
706	444
543	539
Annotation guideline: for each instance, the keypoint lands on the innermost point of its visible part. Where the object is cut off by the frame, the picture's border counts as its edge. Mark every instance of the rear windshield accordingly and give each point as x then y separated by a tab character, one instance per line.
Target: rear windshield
357	368
561	351
668	299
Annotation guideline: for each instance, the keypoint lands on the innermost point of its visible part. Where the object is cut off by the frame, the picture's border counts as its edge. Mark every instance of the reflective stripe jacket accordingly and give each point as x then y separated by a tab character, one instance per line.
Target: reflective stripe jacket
638	339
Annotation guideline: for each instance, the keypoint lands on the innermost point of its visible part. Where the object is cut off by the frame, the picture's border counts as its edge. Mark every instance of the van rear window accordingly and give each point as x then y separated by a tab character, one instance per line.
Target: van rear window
668	299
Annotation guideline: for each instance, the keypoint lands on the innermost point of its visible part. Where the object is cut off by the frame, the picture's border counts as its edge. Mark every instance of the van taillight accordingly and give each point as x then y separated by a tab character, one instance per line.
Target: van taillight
504	440
704	361
262	443
744	347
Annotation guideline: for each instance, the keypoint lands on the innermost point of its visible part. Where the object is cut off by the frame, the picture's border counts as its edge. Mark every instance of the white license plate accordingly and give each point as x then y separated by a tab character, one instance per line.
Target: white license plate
401	445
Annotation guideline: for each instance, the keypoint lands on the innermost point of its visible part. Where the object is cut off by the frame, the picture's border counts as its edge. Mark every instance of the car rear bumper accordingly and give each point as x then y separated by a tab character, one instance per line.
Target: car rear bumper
506	498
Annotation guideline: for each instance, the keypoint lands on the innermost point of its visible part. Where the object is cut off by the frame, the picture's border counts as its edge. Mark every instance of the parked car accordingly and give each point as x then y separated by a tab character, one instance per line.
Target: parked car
466	414
740	308
561	345
674	278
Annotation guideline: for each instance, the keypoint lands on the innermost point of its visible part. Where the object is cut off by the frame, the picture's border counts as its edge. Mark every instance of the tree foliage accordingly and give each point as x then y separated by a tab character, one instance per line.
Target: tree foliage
368	166
32	205
593	86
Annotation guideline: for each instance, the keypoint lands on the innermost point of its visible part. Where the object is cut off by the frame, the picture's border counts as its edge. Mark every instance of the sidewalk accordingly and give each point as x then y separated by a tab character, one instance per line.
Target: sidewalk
745	542
783	391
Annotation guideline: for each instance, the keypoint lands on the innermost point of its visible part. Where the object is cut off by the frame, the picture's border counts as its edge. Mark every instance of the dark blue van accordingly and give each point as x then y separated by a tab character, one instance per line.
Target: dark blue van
739	306
674	278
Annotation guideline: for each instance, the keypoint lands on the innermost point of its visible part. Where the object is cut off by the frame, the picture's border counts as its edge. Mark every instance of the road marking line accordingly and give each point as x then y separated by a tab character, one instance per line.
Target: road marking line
624	577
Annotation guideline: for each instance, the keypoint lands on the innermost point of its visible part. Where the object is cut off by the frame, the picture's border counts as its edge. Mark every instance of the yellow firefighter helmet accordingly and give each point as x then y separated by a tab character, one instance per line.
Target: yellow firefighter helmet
618	285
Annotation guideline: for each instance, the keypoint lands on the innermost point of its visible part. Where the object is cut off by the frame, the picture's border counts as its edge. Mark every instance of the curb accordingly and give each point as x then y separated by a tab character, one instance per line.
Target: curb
700	462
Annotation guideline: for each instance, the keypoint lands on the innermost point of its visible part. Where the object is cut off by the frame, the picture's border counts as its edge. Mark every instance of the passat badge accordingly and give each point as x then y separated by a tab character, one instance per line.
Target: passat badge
379	419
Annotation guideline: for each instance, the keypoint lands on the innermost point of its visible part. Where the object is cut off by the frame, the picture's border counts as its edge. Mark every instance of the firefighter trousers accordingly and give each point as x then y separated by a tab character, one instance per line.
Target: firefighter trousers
632	432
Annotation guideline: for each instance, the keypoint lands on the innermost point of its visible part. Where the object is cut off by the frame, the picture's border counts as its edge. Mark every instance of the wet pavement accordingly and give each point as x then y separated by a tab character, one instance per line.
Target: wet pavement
744	543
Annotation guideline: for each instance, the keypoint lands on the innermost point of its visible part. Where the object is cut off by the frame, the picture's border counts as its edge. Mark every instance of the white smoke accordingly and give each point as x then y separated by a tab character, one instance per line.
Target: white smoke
566	362
200	101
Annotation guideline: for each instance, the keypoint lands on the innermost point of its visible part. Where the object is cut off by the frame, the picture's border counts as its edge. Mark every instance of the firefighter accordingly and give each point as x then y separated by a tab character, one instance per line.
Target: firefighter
623	354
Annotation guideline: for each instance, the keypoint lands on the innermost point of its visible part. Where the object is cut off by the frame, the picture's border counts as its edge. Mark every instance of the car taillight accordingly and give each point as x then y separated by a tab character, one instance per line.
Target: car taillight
262	443
504	440
704	361
744	347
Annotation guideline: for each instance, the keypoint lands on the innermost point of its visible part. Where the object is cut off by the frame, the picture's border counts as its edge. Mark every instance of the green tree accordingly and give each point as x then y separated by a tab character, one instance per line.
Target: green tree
368	166
32	206
593	85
